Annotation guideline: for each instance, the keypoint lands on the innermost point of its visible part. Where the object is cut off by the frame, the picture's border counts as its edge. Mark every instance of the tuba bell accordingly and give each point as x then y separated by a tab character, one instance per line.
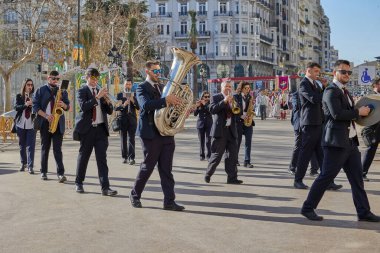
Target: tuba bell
170	120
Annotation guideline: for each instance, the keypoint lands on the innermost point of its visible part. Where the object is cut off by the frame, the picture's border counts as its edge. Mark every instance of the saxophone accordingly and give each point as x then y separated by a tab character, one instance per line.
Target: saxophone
57	112
170	120
250	114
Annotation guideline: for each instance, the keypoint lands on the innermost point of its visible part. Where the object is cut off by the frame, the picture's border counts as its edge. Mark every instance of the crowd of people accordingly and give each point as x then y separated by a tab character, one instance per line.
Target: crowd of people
323	116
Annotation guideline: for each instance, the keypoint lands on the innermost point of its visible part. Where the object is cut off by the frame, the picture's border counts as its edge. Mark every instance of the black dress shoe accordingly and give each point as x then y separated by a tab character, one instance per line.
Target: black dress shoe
314	173
131	162
207	179
136	203
248	165
174	207
109	192
201	159
370	217
237	164
125	161
30	171
22	168
300	185
365	178
312	215
79	188
235	181
44	176
292	172
334	187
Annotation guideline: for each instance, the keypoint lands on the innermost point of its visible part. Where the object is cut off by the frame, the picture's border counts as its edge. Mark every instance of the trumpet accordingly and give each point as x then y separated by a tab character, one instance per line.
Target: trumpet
108	97
128	94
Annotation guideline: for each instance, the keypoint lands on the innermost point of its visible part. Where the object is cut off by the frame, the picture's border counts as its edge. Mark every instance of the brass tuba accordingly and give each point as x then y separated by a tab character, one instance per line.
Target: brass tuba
170	120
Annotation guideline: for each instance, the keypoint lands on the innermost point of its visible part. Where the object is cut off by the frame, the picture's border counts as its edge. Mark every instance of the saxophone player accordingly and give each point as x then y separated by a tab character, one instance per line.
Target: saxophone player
245	120
224	135
92	131
43	104
157	149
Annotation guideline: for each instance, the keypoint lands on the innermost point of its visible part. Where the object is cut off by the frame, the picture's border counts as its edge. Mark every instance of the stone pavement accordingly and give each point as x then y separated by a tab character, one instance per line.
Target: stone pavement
262	215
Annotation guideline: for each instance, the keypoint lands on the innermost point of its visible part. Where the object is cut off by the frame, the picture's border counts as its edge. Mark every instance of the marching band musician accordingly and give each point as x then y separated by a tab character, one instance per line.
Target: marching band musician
43	104
224	135
92	131
204	124
243	99
24	125
127	110
157	149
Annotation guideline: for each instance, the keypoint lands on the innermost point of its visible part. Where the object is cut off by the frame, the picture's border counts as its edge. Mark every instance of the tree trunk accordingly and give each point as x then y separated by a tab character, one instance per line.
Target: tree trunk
7	92
130	69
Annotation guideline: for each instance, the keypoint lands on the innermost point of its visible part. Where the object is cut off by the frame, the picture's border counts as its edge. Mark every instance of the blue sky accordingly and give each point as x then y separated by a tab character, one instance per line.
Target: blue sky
354	28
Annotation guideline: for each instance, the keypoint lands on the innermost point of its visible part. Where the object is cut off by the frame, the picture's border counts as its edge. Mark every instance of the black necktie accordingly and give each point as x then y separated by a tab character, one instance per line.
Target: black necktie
157	88
28	109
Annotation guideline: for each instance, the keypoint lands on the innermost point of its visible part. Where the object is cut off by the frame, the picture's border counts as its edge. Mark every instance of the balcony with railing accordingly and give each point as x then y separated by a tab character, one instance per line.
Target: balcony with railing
161	15
201	13
180	34
254	15
265	58
227	13
317	48
183	13
266	38
204	34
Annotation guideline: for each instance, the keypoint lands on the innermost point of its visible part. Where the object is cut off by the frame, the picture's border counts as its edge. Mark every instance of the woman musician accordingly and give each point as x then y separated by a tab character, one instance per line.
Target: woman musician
204	124
24	125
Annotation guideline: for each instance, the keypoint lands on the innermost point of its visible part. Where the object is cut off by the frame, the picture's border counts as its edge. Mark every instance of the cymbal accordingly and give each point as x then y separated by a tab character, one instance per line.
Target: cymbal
373	102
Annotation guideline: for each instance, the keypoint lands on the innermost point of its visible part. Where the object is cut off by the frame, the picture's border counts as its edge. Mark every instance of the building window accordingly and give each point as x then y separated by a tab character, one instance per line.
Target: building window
216	49
161	9
236	28
202	8
237	7
167	29
10	17
244	51
25	34
202	48
183	10
160	29
183	27
223	8
237	51
202	26
252	28
223	28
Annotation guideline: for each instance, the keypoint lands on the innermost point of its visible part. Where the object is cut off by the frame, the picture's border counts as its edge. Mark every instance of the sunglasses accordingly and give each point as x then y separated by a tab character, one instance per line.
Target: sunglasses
29	84
55	78
344	72
206	96
94	77
156	71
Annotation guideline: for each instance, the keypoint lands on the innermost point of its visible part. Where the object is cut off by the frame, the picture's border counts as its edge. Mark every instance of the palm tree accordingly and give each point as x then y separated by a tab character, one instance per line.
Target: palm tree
193	46
131	36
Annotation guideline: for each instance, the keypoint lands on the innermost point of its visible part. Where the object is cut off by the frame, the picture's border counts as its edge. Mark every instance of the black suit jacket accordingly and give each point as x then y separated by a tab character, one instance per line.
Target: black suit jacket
20	106
219	111
311	103
149	100
339	115
205	118
128	113
86	103
295	119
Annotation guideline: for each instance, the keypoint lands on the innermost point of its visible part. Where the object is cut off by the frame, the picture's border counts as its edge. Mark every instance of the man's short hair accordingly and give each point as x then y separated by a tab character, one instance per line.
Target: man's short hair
54	73
92	72
340	62
243	84
311	65
149	64
223	84
375	81
128	80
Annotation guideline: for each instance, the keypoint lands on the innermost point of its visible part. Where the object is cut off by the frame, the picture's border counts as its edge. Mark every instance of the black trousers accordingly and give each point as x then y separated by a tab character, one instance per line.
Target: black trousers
247	132
311	142
205	140
334	160
95	138
368	156
296	150
225	145
127	139
46	139
160	151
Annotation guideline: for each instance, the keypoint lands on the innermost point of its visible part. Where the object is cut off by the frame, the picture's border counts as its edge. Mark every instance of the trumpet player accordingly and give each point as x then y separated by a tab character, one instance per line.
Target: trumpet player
43	105
24	125
128	118
92	131
245	120
204	124
224	135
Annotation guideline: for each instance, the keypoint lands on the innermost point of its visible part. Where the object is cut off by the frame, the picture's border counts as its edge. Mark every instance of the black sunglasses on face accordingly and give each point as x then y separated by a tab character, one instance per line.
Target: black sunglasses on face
344	72
55	78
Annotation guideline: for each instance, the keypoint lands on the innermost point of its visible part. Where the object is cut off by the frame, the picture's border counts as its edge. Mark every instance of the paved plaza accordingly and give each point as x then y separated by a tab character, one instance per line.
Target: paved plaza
261	215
